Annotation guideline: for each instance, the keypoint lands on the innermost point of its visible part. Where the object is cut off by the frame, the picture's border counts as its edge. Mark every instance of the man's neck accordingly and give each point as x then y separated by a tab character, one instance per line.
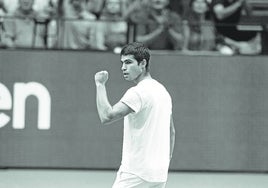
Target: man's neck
144	76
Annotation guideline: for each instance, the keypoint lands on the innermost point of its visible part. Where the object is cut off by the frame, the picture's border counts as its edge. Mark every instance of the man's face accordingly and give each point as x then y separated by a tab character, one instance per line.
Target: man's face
131	68
26	4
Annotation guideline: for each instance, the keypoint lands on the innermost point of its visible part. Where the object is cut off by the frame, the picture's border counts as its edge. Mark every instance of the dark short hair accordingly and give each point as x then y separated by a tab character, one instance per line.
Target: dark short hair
138	50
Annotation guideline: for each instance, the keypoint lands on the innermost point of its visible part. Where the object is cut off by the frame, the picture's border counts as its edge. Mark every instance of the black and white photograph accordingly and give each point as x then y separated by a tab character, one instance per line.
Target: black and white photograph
133	93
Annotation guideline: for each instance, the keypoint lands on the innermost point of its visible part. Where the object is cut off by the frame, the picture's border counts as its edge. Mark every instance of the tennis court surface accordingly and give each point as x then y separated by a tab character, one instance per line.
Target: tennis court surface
32	178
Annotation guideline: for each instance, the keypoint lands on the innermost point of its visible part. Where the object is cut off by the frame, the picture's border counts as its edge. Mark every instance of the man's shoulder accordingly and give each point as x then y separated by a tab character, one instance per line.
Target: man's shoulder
151	85
133	89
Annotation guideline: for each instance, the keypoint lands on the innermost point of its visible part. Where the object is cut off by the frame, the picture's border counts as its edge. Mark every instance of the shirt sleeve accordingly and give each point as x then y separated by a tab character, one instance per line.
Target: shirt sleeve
132	99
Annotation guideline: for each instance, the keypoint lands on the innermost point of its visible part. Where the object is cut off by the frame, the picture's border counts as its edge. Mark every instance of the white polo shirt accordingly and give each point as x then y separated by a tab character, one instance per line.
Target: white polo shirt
146	144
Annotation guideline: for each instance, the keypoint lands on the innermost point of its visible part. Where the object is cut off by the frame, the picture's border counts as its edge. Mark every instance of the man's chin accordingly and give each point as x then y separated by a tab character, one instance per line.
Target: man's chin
127	78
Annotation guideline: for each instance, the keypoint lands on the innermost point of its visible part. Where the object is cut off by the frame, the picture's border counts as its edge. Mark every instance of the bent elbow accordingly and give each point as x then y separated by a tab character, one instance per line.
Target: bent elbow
105	121
105	116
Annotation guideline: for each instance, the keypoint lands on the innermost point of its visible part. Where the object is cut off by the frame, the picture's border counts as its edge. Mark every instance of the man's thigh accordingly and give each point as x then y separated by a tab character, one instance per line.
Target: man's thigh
127	180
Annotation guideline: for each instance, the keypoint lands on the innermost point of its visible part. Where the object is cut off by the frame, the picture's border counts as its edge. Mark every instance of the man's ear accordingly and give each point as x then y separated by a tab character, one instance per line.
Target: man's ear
144	63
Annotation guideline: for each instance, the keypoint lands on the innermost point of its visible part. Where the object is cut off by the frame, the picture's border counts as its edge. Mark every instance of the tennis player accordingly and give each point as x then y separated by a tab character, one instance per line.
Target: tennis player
149	133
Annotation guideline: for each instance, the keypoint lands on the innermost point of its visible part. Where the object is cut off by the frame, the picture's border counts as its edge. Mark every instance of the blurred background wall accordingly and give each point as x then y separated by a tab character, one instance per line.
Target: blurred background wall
219	104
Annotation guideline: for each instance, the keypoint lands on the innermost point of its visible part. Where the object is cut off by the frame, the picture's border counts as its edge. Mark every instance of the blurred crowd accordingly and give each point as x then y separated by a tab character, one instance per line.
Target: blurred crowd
192	25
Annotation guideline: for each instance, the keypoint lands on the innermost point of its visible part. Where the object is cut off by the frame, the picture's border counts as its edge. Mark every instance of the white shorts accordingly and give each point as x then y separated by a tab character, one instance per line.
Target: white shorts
128	180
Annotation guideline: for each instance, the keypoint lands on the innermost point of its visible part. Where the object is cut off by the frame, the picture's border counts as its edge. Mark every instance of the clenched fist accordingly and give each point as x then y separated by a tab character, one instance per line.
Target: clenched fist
101	77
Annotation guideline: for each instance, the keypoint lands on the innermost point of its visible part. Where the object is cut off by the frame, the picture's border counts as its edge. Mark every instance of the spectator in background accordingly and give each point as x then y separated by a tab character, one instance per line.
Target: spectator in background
3	9
22	30
3	12
198	29
95	6
80	29
130	6
226	14
114	27
158	27
10	5
50	11
178	6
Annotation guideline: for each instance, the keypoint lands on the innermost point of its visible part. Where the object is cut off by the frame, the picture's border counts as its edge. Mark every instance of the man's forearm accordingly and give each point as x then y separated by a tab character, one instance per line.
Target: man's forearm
103	104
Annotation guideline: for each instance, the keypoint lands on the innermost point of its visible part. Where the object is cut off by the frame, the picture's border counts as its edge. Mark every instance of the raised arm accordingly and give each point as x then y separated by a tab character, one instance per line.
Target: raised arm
222	12
107	113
